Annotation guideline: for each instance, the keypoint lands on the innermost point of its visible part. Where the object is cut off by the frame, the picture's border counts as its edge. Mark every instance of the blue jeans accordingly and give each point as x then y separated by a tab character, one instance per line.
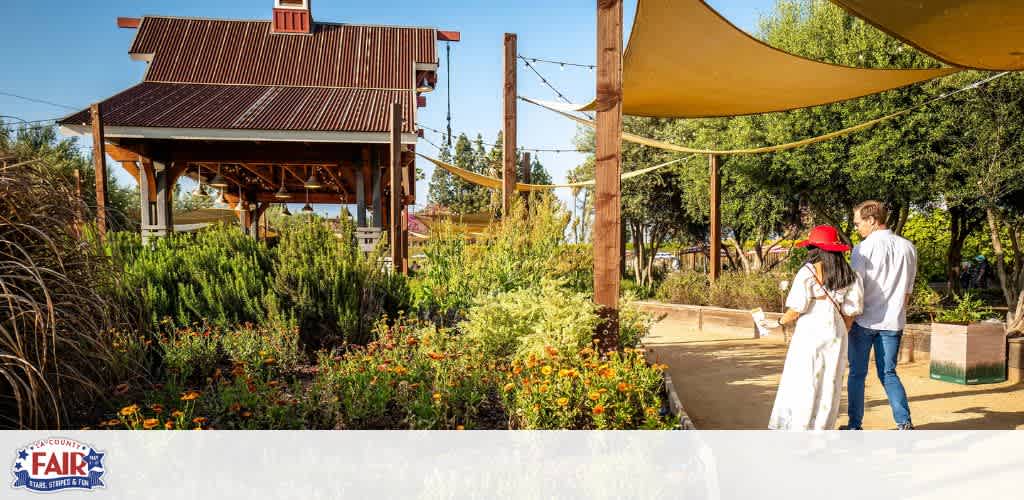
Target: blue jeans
887	348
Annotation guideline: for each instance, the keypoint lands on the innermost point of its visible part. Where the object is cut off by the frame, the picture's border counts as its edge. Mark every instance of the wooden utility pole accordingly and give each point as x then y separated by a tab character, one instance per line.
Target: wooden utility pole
508	177
78	195
715	257
607	196
397	192
99	158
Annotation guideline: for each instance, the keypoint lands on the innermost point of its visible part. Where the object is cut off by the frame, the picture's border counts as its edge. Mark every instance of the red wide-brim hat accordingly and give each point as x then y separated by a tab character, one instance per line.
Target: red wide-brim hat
825	238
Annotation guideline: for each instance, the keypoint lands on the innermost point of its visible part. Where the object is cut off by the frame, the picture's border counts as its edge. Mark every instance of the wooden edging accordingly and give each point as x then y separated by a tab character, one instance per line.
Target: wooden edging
675	405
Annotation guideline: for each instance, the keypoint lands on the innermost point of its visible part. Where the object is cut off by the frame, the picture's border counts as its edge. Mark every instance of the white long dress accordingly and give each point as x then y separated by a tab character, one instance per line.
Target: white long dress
812	378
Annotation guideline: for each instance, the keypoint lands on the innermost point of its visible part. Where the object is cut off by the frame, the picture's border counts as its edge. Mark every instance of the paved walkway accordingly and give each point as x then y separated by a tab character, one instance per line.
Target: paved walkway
729	383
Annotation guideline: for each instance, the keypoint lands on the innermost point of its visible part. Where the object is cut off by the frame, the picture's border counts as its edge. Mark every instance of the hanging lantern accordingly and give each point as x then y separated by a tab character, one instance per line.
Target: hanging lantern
313	182
307	208
284	211
282	194
201	190
218	181
242	204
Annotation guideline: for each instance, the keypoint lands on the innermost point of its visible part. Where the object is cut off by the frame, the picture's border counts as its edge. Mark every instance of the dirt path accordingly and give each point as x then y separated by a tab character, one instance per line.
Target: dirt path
730	383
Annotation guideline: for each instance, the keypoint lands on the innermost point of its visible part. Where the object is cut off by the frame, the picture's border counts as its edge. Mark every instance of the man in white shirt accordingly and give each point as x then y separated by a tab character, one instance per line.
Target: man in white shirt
888	265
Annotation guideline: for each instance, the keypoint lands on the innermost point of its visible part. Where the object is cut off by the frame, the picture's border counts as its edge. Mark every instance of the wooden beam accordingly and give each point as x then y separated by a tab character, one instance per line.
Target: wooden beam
608	208
128	22
509	153
396	188
525	166
268	178
146	167
132	168
715	257
296	176
337	180
99	157
121	154
449	36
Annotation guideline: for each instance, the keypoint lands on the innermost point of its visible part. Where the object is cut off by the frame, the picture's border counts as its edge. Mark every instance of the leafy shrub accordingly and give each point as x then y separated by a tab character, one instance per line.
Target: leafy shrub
684	287
520	322
578	390
191	352
218	276
412	376
925	303
634	324
574	267
747	291
271	347
967	310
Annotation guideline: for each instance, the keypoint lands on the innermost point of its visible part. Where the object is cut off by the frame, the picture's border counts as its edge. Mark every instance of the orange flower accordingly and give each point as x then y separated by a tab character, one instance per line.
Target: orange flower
411	341
150	423
651	411
400	370
169	425
246	414
436	356
235	408
190	395
460	427
517	370
199	420
622	387
542	389
129	410
112	422
121	390
157	408
551	351
177	414
562	401
598	409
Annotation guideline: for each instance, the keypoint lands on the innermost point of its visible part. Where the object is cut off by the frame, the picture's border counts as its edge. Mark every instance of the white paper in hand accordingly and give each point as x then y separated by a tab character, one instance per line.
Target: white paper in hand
764	325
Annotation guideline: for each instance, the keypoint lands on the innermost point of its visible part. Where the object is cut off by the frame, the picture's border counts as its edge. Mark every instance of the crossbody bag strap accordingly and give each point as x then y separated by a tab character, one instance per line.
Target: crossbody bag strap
814	273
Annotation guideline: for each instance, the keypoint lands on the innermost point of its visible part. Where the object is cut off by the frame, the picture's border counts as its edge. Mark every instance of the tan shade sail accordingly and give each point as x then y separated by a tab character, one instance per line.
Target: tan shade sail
686	61
982	34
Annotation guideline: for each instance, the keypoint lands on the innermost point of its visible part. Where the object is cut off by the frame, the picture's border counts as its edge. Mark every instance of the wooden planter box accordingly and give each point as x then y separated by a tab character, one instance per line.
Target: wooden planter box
968	354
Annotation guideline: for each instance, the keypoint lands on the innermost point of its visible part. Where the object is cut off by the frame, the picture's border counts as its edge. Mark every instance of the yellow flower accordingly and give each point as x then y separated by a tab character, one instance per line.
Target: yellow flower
150	423
598	409
400	370
562	401
437	396
563	373
190	395
112	422
543	388
651	411
509	386
594	395
460	427
129	410
546	370
177	414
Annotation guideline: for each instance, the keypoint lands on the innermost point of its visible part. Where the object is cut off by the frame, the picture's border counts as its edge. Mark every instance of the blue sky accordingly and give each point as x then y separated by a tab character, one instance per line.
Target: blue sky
71	52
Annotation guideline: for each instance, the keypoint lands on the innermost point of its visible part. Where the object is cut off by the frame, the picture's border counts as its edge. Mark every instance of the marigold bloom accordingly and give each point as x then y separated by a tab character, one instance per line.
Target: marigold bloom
150	423
190	395
177	414
112	422
563	373
517	370
650	411
509	386
199	420
551	351
598	409
594	395
546	370
562	401
622	387
436	356
411	341
400	370
437	396
543	388
129	410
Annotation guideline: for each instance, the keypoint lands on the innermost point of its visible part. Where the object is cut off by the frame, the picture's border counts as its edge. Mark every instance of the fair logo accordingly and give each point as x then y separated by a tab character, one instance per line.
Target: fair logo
57	464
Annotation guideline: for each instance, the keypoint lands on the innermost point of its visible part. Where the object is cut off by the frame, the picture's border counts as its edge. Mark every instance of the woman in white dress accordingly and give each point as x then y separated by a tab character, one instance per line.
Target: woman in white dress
825	297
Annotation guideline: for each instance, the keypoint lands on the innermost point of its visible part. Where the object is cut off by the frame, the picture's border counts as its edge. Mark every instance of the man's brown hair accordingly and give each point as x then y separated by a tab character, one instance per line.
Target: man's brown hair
874	209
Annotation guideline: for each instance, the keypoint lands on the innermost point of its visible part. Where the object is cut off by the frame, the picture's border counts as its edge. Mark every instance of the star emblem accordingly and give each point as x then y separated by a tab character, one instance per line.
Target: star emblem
94	459
17	466
22	455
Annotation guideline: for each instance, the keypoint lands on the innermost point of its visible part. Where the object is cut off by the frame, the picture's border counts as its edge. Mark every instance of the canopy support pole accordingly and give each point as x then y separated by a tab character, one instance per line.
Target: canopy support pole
99	158
607	207
715	257
396	188
509	154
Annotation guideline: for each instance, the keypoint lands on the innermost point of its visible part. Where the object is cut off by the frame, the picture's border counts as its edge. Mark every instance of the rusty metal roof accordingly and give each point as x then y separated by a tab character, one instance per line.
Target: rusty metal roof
252	107
189	50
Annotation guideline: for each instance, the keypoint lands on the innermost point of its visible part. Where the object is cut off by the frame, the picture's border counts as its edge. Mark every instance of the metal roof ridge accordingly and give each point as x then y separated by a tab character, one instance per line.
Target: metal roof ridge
171	82
315	22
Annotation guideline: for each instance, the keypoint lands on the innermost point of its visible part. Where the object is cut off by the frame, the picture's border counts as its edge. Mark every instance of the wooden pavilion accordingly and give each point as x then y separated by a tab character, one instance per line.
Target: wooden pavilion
281	111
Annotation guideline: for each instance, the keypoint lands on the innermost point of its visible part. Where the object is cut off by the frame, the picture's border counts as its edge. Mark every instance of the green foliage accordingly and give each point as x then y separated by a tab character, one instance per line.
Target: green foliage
577	390
968	310
684	287
412	376
925	303
930	234
634	324
573	267
217	276
272	348
527	321
733	290
191	352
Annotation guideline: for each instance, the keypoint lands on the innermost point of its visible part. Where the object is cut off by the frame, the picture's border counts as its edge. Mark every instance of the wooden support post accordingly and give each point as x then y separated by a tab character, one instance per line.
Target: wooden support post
607	196
164	225
715	257
99	158
360	197
525	167
508	177
397	193
378	194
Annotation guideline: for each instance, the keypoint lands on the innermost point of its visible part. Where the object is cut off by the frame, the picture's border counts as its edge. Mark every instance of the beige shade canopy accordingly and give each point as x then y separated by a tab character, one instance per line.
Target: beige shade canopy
684	60
981	34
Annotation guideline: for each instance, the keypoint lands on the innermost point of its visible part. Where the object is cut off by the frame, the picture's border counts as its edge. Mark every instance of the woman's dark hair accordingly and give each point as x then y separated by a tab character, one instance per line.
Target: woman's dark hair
838	273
